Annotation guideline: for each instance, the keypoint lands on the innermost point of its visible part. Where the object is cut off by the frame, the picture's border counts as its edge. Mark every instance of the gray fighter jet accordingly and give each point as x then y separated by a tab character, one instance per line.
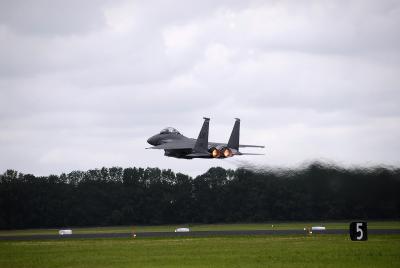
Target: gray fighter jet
176	145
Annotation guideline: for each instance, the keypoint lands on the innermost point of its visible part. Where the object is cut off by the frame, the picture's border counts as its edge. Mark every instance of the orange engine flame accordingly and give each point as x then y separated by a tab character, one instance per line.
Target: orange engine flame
215	153
227	152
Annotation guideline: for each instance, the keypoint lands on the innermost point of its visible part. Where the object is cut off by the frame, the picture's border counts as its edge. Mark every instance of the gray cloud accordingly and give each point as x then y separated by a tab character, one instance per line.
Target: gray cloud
83	85
47	17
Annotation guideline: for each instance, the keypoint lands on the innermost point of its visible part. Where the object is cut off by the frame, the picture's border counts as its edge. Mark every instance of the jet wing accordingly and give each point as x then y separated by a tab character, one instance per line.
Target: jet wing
189	144
199	155
175	144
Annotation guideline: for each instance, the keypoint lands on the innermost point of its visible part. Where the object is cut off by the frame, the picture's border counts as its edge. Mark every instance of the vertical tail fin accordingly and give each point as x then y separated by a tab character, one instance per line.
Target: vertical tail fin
202	141
234	138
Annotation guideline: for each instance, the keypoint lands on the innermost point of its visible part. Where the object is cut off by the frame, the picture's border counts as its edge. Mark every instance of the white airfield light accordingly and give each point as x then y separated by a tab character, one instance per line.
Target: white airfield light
182	230
65	232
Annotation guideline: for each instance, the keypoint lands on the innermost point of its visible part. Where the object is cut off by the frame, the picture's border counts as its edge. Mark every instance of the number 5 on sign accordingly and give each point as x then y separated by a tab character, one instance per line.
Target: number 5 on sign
358	231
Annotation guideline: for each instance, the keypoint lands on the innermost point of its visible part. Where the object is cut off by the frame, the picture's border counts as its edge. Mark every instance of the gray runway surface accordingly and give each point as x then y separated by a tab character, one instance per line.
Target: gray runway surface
192	234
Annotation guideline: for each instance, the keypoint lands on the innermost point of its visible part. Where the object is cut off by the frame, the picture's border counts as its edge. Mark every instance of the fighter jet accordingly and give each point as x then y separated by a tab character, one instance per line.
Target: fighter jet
176	145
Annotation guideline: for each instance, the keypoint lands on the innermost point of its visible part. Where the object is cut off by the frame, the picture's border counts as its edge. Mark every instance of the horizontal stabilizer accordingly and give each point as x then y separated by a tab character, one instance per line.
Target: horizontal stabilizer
251	146
215	144
249	154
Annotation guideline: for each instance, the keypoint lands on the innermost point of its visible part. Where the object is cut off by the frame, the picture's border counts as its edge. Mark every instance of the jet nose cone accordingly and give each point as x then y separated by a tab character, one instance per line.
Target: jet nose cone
151	140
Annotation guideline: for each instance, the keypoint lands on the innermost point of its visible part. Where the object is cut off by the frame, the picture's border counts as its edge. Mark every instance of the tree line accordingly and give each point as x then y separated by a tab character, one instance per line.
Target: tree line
117	196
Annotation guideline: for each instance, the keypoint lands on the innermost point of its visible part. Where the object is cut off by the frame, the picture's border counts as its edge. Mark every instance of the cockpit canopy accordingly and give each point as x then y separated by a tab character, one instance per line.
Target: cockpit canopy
169	130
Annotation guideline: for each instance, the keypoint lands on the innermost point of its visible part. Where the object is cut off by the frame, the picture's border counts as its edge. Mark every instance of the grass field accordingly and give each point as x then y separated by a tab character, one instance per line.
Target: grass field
207	227
242	251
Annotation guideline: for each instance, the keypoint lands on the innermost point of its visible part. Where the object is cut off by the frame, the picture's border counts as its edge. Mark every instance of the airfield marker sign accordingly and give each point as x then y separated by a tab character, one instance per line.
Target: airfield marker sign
358	231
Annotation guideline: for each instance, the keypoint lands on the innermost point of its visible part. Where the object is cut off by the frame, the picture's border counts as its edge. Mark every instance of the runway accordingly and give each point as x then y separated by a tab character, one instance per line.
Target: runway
191	234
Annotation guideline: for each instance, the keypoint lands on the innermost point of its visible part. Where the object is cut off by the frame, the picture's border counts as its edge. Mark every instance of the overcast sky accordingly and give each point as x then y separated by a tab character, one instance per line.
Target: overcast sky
83	84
